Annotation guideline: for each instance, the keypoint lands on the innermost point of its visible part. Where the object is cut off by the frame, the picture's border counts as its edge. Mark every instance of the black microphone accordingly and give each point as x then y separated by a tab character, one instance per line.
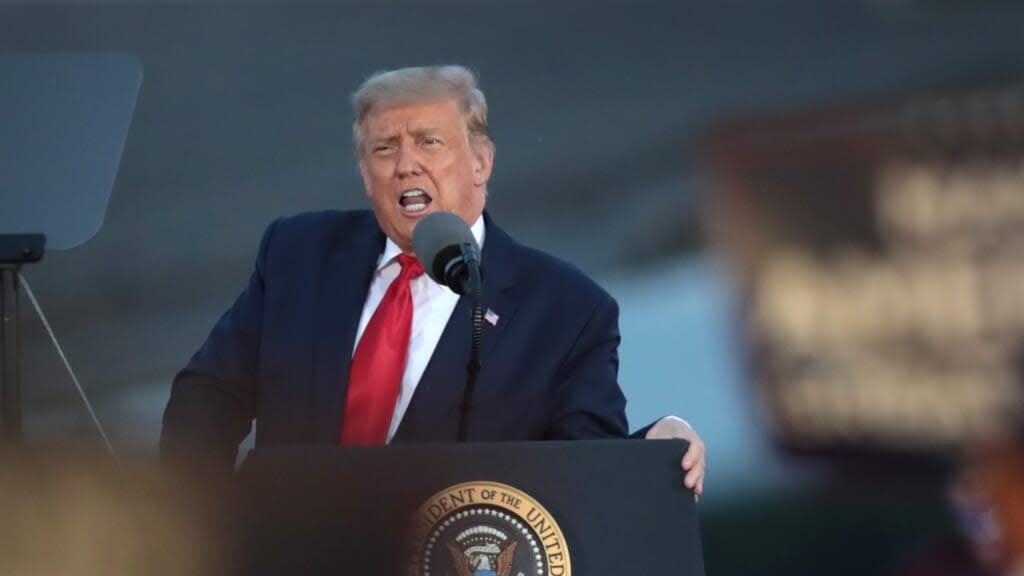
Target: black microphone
445	247
450	255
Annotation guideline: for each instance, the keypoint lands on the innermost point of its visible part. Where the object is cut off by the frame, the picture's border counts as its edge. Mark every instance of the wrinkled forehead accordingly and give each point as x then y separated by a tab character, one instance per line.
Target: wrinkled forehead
411	101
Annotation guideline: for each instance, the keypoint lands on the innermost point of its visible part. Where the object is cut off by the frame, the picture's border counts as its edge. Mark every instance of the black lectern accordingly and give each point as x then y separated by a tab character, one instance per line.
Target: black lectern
615	507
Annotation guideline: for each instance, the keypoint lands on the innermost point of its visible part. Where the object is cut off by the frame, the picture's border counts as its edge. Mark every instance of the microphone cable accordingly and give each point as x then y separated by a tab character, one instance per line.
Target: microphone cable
67	366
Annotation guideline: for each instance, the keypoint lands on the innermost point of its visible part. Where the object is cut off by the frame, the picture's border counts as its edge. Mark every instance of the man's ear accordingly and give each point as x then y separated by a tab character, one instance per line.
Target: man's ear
365	173
483	154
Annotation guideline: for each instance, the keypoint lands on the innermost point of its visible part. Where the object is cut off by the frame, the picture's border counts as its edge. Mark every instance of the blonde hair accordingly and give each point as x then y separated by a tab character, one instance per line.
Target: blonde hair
422	85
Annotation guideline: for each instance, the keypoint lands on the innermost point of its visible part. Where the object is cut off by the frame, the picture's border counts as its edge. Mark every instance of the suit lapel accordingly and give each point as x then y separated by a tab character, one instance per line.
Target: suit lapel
439	391
346	283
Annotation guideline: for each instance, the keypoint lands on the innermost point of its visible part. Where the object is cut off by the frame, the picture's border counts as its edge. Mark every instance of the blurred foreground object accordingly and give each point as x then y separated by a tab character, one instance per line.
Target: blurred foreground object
70	514
999	462
877	248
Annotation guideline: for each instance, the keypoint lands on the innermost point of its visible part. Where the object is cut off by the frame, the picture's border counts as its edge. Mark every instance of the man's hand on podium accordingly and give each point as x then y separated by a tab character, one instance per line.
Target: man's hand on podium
693	461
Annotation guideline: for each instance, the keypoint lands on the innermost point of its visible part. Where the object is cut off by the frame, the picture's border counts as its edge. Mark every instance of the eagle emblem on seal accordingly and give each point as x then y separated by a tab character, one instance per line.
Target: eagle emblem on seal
485	528
482	551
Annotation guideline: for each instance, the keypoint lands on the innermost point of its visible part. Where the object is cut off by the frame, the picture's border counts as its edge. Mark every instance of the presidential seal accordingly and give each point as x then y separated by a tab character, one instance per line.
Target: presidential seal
486	529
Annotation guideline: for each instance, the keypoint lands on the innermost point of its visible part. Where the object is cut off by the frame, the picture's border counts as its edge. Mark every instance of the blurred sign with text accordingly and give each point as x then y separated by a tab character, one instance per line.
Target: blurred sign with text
880	250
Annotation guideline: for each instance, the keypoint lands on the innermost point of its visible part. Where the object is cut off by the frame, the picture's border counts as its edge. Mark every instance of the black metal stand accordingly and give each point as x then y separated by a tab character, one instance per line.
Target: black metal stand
10	390
15	250
70	110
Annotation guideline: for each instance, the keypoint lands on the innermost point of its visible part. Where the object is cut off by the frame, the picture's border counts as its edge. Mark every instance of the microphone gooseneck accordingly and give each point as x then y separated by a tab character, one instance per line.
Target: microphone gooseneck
473	366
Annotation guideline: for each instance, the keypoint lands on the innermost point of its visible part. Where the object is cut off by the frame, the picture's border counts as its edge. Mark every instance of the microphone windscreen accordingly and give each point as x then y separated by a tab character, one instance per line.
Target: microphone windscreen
433	239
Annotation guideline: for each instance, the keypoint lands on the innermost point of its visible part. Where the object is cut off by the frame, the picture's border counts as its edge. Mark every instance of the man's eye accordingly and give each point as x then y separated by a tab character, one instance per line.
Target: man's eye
383	149
431	141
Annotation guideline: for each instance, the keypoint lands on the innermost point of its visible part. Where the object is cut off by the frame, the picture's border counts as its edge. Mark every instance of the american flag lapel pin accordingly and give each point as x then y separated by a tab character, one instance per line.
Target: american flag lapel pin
491	317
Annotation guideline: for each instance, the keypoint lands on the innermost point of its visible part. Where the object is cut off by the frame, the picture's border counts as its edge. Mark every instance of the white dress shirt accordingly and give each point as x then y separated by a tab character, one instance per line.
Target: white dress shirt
432	306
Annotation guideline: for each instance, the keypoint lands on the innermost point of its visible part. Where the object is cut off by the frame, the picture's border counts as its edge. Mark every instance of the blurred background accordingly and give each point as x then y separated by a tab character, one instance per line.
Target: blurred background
809	213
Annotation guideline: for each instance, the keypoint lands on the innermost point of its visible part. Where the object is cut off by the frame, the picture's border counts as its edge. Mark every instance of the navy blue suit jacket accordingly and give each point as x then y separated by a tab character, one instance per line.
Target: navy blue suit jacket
281	354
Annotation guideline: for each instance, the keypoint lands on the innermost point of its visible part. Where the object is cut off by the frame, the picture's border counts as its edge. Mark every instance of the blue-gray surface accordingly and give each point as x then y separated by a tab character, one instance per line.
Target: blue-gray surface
65	118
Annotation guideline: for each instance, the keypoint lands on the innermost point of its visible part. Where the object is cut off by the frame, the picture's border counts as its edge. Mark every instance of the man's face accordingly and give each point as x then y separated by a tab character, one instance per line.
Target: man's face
417	159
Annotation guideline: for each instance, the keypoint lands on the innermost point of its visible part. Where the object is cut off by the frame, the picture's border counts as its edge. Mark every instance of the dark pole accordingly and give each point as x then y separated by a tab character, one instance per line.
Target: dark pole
15	250
10	387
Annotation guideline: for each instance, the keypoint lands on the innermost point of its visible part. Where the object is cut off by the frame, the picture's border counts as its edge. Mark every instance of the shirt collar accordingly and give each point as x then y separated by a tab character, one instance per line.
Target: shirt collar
391	250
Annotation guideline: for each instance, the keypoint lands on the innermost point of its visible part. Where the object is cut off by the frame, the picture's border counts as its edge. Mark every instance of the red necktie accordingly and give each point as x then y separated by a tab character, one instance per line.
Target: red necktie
379	362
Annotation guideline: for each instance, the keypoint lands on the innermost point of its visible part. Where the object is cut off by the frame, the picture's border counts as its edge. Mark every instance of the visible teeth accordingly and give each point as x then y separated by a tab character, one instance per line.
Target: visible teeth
415	200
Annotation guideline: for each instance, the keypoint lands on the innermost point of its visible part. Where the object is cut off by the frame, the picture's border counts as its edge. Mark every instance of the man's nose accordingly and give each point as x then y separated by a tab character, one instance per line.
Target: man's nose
408	161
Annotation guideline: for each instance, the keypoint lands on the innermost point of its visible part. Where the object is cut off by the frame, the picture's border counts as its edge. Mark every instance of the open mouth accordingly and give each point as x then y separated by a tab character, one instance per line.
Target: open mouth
413	201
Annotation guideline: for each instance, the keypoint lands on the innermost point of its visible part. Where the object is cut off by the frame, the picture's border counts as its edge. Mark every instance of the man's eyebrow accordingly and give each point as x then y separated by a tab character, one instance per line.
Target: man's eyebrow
383	138
424	131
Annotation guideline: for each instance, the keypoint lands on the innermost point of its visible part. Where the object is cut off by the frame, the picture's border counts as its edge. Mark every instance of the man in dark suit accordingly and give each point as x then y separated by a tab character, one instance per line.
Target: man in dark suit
340	338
